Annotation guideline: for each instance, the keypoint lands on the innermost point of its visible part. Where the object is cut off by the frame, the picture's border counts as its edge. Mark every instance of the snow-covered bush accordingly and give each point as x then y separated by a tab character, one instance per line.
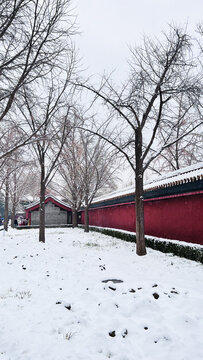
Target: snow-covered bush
188	251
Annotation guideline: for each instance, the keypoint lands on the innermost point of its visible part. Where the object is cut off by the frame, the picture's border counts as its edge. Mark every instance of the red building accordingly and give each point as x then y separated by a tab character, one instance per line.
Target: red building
56	212
173	207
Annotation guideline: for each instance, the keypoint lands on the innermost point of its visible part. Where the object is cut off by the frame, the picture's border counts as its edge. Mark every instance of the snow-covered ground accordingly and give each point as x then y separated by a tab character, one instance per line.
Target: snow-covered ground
54	305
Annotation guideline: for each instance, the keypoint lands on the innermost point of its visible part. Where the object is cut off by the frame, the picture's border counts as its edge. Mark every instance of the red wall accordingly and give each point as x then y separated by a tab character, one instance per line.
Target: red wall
116	216
179	217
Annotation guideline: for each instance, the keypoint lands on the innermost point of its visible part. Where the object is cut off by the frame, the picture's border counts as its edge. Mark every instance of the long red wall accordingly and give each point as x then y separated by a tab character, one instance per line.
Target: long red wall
178	217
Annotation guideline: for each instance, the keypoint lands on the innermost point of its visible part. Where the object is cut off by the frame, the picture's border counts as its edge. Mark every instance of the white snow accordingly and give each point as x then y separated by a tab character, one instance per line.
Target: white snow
187	174
54	305
178	242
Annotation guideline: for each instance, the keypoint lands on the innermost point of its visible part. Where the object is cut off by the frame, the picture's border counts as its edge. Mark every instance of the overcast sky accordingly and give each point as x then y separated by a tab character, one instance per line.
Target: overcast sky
109	26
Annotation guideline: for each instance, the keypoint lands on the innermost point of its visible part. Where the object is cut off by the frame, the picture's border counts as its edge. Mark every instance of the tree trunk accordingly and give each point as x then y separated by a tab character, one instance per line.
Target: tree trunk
13	215
42	206
86	216
6	206
139	201
74	217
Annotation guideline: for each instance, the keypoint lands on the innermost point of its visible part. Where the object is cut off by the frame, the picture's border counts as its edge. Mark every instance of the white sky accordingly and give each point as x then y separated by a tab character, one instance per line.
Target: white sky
109	26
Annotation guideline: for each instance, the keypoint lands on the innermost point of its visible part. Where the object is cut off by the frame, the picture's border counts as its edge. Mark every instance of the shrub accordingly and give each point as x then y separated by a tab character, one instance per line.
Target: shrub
182	250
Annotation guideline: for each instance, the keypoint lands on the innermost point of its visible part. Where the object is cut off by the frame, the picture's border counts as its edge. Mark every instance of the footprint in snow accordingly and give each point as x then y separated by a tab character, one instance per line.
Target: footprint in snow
112	288
124	333
102	267
174	292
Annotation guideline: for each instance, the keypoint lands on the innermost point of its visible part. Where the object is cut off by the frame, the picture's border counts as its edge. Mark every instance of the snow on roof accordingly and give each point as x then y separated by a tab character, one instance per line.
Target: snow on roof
177	177
115	194
46	197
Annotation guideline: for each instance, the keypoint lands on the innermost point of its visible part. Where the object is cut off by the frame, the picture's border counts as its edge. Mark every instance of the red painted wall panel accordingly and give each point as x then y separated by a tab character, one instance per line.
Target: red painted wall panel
119	217
179	218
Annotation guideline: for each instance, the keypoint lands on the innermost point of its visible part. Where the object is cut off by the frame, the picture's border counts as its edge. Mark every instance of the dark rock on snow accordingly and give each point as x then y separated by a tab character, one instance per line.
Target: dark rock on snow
115	281
156	296
112	333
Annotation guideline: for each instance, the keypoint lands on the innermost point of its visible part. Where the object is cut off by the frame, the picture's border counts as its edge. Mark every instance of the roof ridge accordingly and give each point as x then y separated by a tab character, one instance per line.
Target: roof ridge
173	178
36	202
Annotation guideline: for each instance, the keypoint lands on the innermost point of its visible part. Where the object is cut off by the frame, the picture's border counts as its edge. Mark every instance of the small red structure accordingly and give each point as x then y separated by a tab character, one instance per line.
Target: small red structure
57	212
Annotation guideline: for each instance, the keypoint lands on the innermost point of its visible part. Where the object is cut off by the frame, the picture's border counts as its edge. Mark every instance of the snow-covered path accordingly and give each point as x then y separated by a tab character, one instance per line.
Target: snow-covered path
54	305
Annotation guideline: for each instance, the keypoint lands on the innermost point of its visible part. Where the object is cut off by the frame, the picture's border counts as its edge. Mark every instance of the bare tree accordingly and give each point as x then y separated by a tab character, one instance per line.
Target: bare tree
32	185
70	170
200	32
33	40
20	181
1	207
159	71
86	169
187	150
96	170
10	165
55	111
